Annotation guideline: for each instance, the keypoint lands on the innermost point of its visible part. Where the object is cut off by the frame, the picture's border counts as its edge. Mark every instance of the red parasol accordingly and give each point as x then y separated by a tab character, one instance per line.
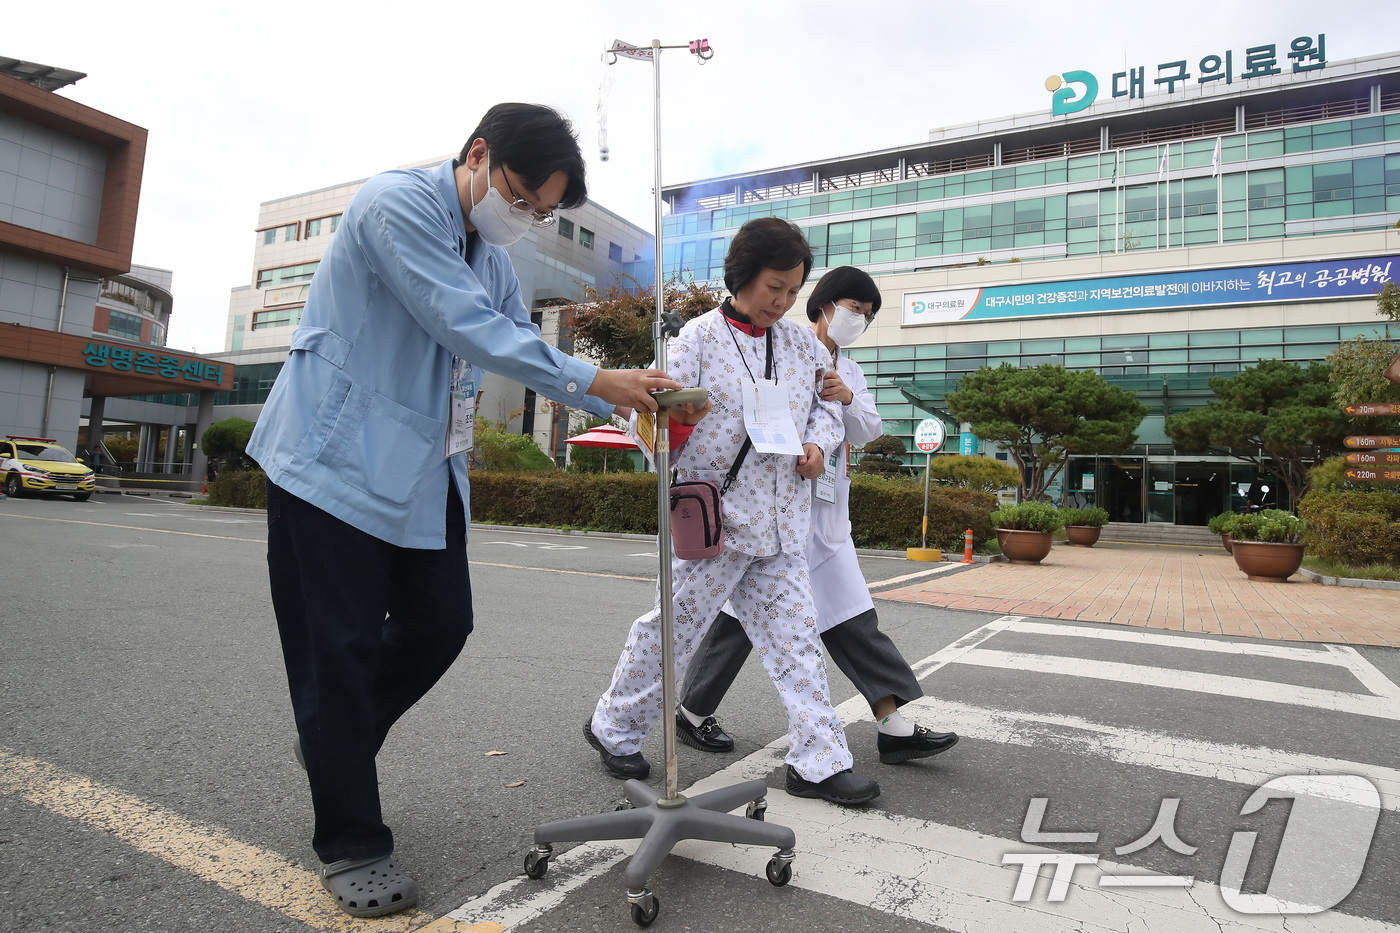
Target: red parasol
607	437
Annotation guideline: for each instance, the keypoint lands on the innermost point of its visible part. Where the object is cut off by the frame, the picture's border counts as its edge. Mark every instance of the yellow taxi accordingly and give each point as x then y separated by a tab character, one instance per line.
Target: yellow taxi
39	464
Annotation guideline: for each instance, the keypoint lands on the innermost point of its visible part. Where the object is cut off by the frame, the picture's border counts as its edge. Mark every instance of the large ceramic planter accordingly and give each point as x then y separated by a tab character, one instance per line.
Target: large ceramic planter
1024	547
1226	543
1083	535
1266	561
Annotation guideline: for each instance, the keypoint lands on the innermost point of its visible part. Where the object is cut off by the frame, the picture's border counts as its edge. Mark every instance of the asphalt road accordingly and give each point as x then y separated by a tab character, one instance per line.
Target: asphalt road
147	782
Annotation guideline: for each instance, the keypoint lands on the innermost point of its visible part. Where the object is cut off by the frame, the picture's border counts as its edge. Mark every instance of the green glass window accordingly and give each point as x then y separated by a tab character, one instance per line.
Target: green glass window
1265	143
1214	338
1262	335
1299	334
1166	340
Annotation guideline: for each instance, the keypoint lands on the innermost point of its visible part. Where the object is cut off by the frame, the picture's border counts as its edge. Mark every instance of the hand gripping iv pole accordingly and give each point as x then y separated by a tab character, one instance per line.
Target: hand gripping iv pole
662	821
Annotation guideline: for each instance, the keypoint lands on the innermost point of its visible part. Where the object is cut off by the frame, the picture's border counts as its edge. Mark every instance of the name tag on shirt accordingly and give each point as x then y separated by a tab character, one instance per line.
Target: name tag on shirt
461	425
768	419
825	488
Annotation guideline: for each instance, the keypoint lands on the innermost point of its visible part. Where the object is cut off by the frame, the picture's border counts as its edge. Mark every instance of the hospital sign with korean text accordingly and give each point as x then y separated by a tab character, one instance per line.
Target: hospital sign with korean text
1273	284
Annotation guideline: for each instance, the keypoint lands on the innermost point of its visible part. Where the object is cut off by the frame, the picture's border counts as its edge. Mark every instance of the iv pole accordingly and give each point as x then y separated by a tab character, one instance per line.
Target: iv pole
660	821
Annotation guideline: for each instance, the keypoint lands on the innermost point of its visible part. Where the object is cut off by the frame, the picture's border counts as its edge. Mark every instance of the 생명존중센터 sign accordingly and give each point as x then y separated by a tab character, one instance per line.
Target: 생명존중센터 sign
1158	291
151	362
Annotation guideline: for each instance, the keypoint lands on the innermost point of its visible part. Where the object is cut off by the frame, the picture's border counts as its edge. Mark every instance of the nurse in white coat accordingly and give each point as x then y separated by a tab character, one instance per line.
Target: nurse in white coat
840	308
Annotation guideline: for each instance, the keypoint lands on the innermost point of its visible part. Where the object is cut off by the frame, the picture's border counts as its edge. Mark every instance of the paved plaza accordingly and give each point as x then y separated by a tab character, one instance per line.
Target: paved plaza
1185	589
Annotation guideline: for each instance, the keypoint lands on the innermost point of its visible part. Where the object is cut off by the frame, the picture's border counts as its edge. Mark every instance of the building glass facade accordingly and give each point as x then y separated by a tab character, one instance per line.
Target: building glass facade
1273	170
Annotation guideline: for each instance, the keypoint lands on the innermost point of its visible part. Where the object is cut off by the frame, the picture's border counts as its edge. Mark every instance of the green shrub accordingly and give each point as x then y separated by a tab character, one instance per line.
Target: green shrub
498	449
613	502
225	442
1352	527
887	512
984	473
1093	518
246	489
1220	524
1272	525
1028	516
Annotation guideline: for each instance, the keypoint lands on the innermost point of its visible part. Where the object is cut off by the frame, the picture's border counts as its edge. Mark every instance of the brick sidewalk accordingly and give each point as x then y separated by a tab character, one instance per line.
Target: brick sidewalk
1185	589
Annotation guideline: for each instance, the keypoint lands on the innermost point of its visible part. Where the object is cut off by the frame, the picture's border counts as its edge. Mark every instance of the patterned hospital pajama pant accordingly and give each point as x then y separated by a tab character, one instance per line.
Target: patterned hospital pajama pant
773	600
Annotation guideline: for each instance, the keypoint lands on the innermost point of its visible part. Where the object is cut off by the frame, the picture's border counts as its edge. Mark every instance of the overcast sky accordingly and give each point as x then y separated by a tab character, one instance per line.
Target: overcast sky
253	101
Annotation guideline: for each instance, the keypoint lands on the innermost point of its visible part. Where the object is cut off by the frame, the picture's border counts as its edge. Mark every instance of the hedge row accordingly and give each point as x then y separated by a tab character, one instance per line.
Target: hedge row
1353	528
885	512
241	490
623	502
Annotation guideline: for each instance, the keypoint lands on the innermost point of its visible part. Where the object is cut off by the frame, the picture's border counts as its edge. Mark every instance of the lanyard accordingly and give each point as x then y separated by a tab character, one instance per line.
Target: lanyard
768	364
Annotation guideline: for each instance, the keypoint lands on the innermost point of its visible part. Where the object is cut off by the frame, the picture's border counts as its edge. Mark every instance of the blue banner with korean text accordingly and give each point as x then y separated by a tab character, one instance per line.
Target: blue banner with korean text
1283	282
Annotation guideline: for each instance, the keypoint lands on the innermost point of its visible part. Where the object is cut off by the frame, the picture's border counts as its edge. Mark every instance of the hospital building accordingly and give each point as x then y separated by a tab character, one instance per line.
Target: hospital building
1159	225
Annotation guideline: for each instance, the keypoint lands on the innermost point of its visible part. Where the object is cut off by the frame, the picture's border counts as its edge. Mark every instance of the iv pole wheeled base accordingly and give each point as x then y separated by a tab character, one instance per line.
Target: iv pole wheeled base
660	822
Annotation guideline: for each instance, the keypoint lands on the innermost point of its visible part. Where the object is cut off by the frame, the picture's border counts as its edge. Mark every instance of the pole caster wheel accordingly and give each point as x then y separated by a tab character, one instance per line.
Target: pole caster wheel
757	809
536	864
779	869
645	909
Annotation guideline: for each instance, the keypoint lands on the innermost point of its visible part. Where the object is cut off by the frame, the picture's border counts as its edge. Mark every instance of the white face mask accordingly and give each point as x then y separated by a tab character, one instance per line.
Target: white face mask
845	326
495	222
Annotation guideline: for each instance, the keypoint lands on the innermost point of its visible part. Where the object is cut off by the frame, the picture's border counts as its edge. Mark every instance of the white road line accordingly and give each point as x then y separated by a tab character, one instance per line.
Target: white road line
1250	765
946	655
1219	684
1365	671
1317	655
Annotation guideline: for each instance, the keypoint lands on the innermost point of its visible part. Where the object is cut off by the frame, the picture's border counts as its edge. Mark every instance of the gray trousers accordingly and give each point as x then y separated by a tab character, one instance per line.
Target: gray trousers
863	652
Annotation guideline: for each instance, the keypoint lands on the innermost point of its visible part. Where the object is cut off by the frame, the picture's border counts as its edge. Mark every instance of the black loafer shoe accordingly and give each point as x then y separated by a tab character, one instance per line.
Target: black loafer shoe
924	743
708	736
619	766
844	787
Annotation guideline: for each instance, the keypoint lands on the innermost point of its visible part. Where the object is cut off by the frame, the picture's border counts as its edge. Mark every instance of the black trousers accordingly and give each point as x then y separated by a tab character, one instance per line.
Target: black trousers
863	652
367	628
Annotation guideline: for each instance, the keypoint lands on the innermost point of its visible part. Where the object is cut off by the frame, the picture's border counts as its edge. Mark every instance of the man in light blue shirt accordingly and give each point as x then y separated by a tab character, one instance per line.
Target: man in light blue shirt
363	440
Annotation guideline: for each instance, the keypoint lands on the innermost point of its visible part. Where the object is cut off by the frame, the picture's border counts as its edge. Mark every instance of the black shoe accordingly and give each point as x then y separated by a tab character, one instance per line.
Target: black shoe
924	743
708	736
619	766
844	787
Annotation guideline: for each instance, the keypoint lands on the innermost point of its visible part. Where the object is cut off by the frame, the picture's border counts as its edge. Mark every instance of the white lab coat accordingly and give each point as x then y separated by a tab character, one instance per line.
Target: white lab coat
838	586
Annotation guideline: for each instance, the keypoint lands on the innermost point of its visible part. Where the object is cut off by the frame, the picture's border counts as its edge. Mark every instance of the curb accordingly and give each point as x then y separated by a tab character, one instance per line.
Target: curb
1324	580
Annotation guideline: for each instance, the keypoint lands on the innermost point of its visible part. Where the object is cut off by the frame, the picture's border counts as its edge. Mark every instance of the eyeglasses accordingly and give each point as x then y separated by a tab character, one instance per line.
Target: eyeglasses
523	208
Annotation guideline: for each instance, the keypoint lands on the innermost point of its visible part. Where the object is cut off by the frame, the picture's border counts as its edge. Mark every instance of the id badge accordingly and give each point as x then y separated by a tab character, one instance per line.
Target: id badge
461	425
768	419
825	489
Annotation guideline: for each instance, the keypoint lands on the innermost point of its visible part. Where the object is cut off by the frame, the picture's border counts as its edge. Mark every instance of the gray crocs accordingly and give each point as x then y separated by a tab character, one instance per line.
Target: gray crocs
369	887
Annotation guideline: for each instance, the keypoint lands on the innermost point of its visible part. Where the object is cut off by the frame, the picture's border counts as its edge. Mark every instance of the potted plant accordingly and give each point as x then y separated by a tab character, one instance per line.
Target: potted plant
1268	545
1221	525
1083	526
1026	532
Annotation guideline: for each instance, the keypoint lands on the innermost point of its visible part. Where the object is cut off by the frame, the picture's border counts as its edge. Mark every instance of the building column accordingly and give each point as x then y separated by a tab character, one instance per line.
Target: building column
198	461
96	412
172	439
145	448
